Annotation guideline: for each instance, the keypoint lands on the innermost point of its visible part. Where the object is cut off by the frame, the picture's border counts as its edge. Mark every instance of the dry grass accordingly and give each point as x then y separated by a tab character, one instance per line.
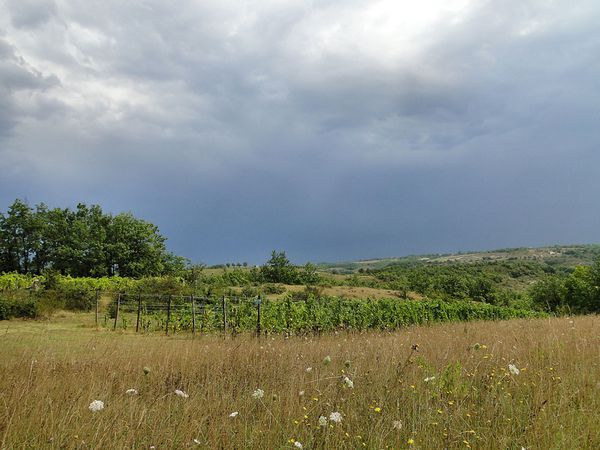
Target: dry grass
359	293
50	372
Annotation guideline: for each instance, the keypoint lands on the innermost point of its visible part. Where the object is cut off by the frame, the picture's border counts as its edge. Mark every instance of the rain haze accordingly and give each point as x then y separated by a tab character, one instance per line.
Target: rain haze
333	130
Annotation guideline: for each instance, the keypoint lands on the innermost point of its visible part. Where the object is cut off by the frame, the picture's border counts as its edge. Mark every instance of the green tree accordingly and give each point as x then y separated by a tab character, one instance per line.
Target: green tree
279	269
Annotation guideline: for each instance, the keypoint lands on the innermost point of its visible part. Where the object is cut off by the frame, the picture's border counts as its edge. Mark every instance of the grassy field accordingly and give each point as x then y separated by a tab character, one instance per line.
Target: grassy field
443	386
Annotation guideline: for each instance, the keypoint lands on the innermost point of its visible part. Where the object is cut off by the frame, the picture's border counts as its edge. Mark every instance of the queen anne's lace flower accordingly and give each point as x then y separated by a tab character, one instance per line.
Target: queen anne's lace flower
258	394
181	394
131	391
234	414
335	417
322	421
348	383
513	369
96	405
297	444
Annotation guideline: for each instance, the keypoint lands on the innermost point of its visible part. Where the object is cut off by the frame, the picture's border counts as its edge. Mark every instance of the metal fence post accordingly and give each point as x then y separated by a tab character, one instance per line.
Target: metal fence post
168	315
193	316
224	315
97	306
258	303
139	312
117	311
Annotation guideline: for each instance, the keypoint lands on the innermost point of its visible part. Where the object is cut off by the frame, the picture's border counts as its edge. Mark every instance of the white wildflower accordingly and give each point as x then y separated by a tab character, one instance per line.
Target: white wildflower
428	379
513	369
181	394
308	370
327	360
297	444
197	442
96	405
397	425
258	394
322	421
234	414
131	391
335	417
300	393
348	383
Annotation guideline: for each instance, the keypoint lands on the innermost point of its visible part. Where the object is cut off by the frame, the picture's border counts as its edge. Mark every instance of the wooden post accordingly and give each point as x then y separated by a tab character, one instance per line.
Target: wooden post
139	312
117	310
258	303
193	316
168	315
224	315
97	306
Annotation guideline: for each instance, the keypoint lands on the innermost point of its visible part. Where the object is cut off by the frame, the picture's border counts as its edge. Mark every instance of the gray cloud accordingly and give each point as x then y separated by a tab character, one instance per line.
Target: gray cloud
333	130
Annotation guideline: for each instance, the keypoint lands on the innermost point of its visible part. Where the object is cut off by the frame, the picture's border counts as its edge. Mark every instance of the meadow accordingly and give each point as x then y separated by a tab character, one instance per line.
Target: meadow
523	383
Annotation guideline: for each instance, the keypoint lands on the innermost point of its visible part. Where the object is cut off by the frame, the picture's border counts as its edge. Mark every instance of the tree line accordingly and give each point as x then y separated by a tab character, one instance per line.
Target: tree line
84	242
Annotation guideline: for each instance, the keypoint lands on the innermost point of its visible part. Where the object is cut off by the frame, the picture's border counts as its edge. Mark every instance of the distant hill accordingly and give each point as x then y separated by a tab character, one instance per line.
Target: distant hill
557	255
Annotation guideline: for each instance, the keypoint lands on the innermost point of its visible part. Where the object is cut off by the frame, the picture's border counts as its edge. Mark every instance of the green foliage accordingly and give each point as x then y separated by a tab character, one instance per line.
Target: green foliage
576	292
328	314
279	269
84	242
17	304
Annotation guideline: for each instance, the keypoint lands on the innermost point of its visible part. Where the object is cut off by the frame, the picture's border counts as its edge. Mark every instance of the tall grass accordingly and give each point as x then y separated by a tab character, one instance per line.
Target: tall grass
50	373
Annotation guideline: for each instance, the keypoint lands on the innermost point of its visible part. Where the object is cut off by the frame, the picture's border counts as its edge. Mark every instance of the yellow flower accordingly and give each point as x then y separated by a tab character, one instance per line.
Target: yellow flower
378	409
411	441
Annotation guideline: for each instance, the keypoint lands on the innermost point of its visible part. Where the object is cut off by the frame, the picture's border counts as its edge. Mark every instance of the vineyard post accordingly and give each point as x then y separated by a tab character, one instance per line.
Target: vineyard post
97	301
168	315
193	315
139	312
258	303
117	311
224	315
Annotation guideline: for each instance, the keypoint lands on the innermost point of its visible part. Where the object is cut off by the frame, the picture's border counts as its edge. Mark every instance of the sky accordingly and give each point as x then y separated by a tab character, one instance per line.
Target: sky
333	130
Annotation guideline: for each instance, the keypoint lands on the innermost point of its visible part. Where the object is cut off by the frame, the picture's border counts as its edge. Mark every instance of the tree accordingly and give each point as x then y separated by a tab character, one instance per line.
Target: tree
279	269
82	242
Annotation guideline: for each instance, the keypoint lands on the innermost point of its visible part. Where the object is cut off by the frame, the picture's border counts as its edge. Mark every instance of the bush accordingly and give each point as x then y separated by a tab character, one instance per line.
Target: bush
17	306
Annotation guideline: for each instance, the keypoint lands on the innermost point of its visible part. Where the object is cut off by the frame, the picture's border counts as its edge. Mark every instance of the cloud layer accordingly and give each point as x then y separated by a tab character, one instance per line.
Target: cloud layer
330	129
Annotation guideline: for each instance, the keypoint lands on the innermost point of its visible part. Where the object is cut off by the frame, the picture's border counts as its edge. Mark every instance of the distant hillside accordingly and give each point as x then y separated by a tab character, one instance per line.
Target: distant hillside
557	255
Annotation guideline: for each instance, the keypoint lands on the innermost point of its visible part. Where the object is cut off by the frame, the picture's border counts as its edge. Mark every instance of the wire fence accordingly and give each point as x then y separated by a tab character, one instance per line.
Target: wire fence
176	313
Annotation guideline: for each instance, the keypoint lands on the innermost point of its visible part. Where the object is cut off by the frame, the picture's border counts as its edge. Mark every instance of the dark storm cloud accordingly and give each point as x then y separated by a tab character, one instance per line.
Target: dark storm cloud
333	130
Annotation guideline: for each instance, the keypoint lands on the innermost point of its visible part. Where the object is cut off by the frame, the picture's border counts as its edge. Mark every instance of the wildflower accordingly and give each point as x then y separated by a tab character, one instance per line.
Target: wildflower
348	383
322	421
297	444
335	417
181	394
258	394
513	369
308	370
131	392
428	379
197	442
300	393
146	370
327	360
397	425
234	414
411	441
96	405
377	409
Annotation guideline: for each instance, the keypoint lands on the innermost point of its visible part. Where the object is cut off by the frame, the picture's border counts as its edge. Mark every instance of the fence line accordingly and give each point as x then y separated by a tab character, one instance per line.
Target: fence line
170	304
